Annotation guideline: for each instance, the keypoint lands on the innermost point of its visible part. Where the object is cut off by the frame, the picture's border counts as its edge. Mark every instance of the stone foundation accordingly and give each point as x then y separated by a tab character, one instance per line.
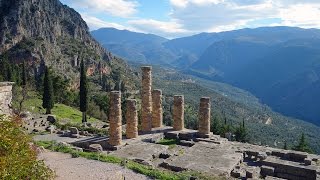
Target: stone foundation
132	119
204	117
5	97
115	117
178	113
157	111
146	98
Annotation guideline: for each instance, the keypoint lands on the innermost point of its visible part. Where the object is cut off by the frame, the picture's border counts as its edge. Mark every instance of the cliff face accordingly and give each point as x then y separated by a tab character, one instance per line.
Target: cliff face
48	32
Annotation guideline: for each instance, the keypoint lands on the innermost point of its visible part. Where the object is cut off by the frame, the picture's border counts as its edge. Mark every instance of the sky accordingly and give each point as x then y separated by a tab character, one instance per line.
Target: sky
178	18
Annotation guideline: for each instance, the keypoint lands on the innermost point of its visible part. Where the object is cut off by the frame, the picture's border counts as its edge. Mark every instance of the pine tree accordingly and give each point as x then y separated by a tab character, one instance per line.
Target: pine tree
303	145
47	98
83	92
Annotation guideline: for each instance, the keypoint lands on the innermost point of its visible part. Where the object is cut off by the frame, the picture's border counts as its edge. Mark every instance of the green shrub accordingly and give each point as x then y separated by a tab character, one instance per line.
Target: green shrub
18	159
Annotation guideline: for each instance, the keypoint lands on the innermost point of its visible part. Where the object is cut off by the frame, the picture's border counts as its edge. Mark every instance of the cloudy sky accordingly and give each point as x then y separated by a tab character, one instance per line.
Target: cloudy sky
177	18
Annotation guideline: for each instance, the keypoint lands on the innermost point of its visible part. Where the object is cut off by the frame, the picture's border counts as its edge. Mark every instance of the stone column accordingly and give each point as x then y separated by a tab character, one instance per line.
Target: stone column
132	119
204	117
115	118
178	113
146	97
157	112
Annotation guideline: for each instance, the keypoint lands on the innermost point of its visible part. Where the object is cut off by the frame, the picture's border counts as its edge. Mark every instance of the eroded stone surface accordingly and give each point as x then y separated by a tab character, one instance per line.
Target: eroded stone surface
115	117
204	117
5	97
178	112
208	157
157	111
132	119
146	99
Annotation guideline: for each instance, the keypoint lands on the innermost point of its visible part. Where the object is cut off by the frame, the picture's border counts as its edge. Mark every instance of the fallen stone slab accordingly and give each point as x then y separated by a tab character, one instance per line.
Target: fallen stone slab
74	130
95	148
172	135
207	157
172	167
187	135
267	171
290	168
253	172
186	143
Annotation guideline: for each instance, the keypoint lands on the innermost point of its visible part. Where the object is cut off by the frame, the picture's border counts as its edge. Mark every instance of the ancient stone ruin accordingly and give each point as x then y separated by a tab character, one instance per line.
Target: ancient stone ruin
132	119
5	97
204	117
197	150
115	117
157	111
146	98
178	112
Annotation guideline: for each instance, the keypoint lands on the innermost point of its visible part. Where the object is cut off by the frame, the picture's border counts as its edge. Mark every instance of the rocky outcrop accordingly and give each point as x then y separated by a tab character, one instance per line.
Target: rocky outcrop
5	97
46	31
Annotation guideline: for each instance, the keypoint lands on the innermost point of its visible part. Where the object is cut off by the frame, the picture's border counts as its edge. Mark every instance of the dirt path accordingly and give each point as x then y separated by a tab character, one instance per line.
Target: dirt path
67	168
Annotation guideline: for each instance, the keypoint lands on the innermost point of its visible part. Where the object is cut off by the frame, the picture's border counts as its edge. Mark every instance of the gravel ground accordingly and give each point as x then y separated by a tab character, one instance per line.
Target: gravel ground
67	168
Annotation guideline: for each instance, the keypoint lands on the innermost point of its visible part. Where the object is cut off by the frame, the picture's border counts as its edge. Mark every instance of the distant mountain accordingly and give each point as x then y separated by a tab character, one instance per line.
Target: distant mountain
132	46
277	64
285	76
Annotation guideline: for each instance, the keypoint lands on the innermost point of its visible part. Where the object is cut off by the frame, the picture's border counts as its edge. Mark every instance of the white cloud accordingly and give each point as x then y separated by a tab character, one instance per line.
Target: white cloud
302	15
208	15
179	3
119	8
194	16
162	28
95	23
221	15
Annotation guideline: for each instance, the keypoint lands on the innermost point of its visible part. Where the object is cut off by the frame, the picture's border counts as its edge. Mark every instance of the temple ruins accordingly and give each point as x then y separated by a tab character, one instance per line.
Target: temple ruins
197	150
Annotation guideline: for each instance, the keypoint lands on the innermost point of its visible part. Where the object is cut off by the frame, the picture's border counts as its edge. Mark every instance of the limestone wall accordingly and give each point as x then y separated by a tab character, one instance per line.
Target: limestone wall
5	97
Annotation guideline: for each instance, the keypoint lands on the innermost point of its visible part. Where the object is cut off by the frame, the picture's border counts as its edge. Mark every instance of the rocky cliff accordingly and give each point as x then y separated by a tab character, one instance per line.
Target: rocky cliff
48	32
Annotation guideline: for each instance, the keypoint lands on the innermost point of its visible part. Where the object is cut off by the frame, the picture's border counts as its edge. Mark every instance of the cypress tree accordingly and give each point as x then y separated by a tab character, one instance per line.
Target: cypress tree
47	98
303	145
216	126
83	92
285	146
24	74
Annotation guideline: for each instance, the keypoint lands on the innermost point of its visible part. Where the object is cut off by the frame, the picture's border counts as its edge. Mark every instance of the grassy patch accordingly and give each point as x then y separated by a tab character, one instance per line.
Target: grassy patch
61	111
172	143
139	168
66	112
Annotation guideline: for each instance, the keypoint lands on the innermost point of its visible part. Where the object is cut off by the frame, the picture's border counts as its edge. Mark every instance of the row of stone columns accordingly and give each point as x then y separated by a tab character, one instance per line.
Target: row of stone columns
151	112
